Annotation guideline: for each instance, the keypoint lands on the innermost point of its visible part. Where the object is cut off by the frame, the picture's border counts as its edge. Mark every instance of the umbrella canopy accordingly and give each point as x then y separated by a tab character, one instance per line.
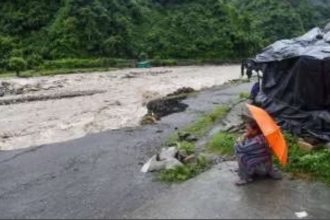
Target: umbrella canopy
271	131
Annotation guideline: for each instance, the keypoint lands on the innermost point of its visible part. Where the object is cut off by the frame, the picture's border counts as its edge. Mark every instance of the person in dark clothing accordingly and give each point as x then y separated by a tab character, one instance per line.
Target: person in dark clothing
254	92
249	65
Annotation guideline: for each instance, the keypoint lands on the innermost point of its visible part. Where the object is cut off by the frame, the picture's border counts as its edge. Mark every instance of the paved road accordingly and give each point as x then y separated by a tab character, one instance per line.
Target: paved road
96	176
213	195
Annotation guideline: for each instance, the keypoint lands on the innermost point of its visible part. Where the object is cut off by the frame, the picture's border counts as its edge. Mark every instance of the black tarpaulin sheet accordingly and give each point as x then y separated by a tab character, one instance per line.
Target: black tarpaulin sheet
296	84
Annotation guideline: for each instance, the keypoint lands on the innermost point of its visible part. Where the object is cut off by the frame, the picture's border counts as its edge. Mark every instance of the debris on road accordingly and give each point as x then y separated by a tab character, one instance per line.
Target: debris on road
302	214
164	160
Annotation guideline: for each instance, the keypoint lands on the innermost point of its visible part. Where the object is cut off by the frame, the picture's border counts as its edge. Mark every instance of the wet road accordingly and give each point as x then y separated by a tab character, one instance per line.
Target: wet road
212	195
96	176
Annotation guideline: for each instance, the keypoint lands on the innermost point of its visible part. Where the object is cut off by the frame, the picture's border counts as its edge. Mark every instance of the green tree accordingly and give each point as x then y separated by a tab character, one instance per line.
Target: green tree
17	64
6	47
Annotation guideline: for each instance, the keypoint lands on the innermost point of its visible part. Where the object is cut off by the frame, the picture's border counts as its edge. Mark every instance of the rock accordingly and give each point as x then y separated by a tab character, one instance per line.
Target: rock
155	165
181	155
165	160
168	153
305	145
172	163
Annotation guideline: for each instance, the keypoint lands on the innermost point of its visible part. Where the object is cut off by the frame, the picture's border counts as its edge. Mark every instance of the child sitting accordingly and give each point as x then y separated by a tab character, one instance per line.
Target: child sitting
253	155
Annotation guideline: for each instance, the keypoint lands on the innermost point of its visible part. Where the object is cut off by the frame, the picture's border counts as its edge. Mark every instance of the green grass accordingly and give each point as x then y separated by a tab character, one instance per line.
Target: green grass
314	164
183	173
187	147
198	129
201	126
244	95
222	143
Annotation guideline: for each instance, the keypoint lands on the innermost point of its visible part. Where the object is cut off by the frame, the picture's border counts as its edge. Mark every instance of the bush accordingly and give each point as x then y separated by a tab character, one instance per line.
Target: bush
34	60
17	64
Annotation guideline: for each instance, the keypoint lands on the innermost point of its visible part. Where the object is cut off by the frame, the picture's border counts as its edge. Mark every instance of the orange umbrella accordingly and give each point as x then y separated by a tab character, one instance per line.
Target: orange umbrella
271	131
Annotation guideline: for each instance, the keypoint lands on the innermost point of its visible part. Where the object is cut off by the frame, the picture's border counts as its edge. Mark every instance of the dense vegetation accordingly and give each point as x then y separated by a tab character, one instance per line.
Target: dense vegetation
36	30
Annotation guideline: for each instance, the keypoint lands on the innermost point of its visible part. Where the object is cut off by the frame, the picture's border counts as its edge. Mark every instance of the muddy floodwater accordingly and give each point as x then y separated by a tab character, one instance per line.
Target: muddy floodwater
45	110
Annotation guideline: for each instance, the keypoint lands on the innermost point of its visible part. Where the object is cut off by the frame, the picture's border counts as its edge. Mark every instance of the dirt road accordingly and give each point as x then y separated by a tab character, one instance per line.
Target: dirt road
119	104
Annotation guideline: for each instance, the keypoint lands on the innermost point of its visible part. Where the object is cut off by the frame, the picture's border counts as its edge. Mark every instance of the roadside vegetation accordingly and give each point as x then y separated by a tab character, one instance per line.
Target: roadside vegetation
222	143
311	165
314	165
244	95
195	131
183	173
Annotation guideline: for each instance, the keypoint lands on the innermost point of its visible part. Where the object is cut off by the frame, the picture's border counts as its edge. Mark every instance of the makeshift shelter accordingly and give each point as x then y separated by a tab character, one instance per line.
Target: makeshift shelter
296	83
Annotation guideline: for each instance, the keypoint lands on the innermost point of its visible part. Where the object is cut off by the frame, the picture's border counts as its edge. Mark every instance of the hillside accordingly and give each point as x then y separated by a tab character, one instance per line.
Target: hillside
194	29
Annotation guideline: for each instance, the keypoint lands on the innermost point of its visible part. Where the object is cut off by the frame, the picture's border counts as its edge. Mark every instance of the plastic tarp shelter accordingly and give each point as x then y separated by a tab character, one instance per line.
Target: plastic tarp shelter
295	86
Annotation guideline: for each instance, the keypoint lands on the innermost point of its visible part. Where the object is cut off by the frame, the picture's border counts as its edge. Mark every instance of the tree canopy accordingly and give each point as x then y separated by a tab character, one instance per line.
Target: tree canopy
38	30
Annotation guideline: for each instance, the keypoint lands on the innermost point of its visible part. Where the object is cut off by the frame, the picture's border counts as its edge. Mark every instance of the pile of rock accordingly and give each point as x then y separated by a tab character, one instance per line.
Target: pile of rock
168	158
172	156
164	160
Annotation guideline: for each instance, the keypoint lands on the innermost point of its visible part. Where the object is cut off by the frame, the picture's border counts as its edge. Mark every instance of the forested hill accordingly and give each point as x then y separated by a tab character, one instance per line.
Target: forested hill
52	29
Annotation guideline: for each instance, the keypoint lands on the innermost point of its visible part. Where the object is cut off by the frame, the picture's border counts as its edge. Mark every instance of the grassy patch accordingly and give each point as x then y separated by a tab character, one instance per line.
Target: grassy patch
187	147
183	173
314	164
244	95
222	143
198	129
201	126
